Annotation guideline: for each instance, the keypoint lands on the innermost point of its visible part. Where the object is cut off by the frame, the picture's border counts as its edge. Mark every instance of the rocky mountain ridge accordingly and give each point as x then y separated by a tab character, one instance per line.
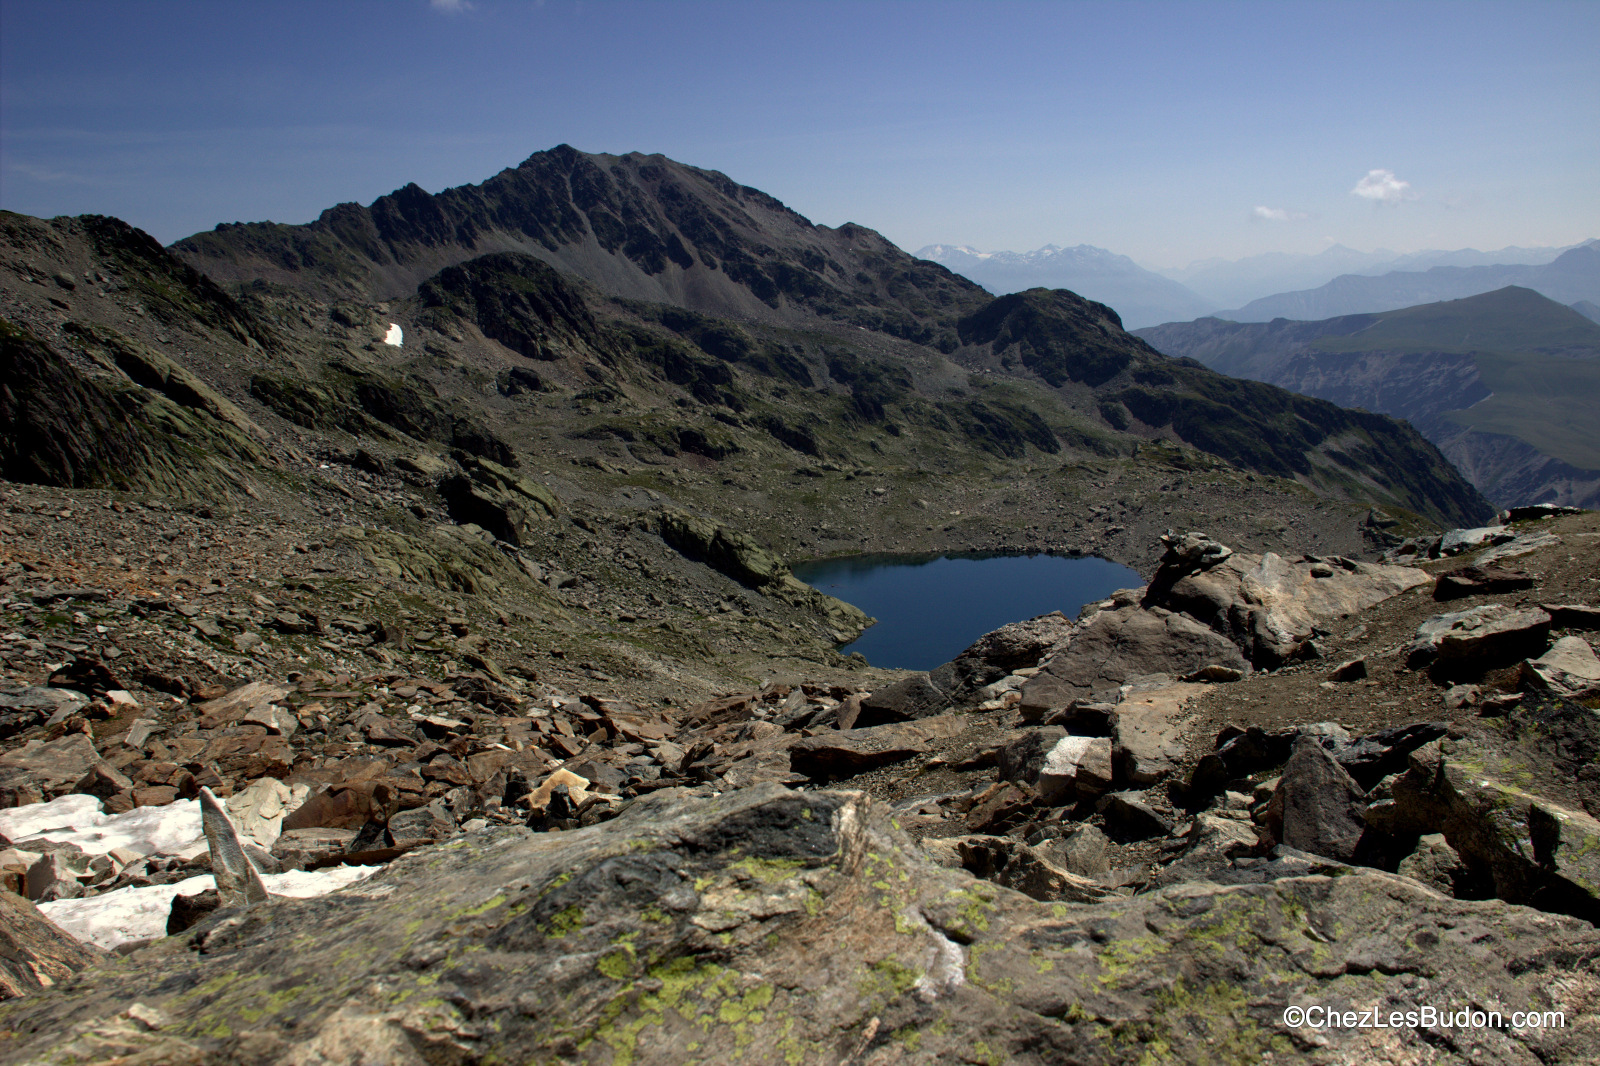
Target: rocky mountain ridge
636	226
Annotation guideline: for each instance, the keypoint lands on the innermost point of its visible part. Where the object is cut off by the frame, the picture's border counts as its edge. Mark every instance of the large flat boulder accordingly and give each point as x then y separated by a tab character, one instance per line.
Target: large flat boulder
21	708
1469	643
255	698
1570	670
769	926
56	765
1116	645
1269	605
1463	643
833	754
1147	739
1456	541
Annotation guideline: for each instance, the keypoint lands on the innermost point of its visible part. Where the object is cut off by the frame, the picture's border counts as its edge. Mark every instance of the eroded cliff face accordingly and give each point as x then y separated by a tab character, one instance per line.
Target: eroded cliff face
1426	365
1508	469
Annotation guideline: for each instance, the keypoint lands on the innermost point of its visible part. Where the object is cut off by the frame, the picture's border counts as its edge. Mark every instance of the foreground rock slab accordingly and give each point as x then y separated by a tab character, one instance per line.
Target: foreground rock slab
35	954
771	926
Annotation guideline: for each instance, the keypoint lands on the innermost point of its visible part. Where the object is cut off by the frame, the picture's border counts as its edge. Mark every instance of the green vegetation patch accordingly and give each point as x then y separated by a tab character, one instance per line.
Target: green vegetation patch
1547	401
1512	319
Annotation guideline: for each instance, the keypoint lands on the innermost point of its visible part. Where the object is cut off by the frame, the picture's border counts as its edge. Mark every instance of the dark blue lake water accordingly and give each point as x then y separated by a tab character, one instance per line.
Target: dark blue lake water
930	608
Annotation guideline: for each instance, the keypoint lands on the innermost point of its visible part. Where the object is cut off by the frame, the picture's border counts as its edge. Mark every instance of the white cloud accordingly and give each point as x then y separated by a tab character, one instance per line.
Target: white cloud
1384	187
1279	214
451	7
47	176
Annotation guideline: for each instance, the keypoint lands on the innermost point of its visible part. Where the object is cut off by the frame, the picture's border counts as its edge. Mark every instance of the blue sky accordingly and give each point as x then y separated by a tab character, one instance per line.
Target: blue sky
1165	131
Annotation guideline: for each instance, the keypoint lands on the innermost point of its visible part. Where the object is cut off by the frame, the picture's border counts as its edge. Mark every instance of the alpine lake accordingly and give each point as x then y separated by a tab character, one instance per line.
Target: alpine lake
931	607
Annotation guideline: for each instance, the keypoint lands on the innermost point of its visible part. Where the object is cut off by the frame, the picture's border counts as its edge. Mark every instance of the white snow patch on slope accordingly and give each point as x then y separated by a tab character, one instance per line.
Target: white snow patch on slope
395	336
173	829
130	914
65	812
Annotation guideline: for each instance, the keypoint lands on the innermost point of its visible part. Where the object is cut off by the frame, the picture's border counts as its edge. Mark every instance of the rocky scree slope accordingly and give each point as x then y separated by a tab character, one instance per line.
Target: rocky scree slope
1084	886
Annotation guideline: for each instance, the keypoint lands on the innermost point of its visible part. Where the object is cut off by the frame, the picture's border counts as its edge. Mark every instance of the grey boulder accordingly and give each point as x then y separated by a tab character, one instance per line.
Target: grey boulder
1117	645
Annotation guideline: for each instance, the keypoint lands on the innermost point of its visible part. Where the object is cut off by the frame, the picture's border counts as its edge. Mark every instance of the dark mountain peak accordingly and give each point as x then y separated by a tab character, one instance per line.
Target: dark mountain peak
637	226
1057	334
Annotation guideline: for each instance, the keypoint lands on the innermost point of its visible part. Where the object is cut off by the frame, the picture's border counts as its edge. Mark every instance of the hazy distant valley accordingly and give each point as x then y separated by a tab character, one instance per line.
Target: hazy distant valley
1505	383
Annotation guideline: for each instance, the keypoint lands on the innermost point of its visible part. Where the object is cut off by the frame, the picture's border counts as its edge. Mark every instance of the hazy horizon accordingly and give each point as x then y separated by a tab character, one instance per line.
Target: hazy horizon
1166	132
1191	265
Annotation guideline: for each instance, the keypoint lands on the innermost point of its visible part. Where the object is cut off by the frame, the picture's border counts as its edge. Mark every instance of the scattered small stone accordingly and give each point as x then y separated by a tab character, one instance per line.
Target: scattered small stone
1350	670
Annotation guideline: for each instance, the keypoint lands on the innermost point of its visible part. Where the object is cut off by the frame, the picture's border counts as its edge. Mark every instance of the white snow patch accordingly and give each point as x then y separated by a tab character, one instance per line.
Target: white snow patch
395	336
64	812
173	829
130	914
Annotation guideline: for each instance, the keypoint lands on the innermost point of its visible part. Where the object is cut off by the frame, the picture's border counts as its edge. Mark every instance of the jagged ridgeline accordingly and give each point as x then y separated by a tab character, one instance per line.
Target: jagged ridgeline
751	300
658	313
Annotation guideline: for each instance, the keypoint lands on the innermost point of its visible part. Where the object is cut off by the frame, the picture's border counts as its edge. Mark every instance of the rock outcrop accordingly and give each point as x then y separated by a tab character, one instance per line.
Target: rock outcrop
766	924
1268	605
1117	645
34	954
741	558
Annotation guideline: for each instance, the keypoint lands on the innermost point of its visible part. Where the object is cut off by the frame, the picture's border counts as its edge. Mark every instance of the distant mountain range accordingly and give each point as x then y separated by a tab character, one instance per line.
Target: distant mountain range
1234	283
1572	276
1338	281
1506	383
1140	297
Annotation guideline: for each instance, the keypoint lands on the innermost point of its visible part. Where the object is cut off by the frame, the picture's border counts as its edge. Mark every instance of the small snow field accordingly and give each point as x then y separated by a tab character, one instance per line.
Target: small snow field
131	914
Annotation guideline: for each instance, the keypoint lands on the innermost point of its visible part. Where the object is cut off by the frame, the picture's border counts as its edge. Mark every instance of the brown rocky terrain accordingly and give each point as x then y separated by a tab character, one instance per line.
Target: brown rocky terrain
1264	788
453	702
